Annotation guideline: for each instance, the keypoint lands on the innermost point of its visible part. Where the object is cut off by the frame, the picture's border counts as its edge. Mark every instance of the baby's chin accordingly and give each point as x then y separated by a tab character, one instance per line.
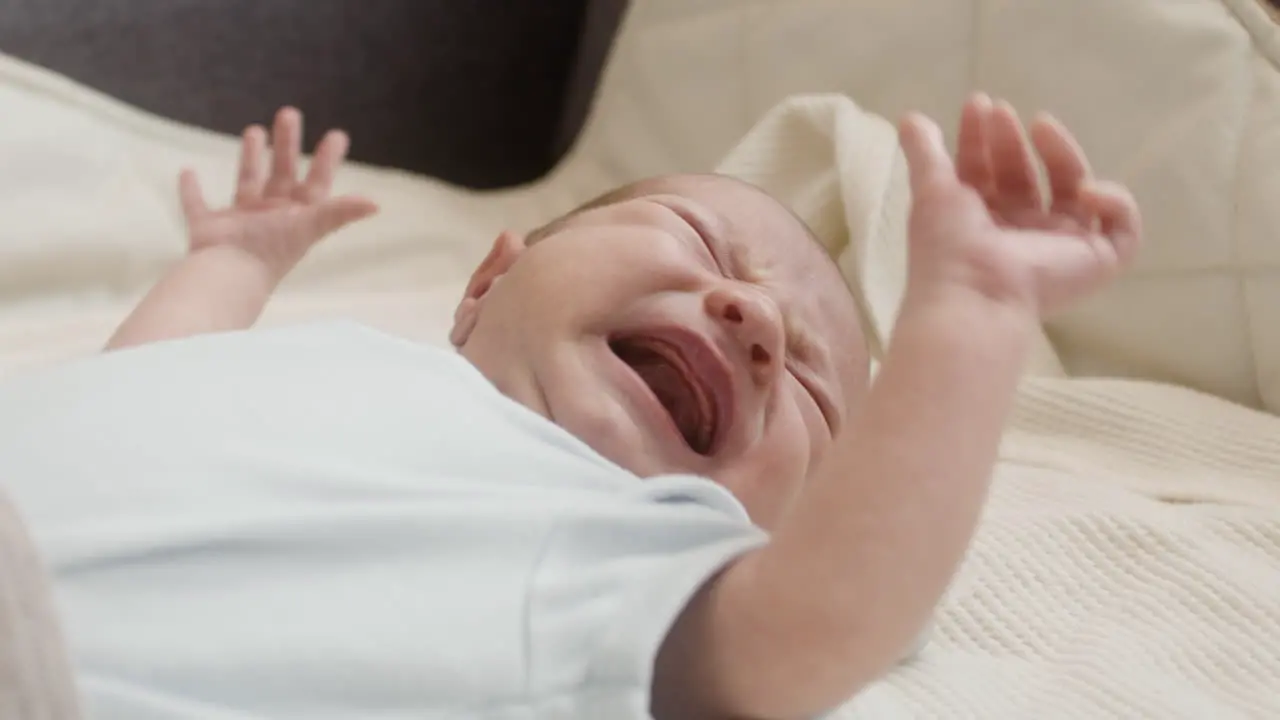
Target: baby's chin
619	440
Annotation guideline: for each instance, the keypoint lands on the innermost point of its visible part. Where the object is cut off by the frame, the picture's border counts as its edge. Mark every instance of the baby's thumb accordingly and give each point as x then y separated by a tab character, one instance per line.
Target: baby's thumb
190	195
335	213
928	162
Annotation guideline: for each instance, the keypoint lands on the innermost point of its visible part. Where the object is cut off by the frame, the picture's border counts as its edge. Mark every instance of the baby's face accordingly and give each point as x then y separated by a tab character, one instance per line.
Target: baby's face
689	325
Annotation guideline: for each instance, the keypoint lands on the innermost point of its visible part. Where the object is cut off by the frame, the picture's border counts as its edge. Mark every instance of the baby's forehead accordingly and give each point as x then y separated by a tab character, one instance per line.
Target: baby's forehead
746	212
757	224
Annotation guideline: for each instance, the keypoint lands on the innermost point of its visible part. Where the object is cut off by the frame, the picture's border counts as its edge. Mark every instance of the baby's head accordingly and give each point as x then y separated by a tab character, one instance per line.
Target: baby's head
682	324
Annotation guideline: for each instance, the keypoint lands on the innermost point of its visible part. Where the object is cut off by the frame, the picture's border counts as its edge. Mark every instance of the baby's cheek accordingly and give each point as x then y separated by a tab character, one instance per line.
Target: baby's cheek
781	468
808	429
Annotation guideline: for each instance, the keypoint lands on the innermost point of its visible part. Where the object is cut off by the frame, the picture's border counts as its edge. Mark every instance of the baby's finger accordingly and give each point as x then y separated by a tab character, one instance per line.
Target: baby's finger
1064	160
1119	219
329	155
335	213
928	163
253	167
973	156
286	145
1011	160
191	195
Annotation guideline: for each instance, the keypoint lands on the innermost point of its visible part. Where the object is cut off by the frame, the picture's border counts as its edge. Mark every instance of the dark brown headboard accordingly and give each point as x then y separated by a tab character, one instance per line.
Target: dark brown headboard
484	93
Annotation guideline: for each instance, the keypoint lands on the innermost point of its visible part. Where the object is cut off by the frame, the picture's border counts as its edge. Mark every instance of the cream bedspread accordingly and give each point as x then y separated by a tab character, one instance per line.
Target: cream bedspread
1129	564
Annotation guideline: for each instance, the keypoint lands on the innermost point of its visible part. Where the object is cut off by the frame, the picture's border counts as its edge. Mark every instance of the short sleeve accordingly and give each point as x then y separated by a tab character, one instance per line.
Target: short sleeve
612	583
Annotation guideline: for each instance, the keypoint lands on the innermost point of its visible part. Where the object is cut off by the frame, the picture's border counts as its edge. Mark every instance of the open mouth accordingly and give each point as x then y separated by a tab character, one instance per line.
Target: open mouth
679	383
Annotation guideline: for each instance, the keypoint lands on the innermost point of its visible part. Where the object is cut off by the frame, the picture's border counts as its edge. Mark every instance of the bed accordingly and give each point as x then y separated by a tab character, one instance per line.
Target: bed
1129	562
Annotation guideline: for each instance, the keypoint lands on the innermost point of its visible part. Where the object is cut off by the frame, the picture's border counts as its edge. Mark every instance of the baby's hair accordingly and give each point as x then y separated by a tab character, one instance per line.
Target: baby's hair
616	195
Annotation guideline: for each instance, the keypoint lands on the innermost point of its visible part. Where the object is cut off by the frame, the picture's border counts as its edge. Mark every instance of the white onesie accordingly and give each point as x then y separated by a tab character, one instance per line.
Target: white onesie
328	522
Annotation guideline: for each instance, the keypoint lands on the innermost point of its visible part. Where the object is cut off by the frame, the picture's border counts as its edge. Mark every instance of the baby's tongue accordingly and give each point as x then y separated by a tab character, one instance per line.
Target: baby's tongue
675	394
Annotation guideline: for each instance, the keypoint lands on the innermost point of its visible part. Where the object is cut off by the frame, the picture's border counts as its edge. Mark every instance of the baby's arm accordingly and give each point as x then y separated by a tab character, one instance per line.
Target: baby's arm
213	290
853	573
238	255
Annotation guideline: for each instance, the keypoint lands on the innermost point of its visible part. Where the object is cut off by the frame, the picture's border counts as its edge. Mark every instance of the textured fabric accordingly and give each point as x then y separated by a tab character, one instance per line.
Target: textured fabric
325	521
1128	566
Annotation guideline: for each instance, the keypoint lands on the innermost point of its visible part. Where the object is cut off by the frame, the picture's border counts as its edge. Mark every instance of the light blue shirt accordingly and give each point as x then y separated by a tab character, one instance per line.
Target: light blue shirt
328	522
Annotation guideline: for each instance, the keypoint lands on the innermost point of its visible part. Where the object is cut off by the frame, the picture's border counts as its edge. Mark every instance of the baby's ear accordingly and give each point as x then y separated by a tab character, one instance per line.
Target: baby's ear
504	253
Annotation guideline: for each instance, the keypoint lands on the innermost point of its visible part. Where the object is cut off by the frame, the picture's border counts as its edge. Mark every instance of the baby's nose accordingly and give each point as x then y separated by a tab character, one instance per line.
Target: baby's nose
754	321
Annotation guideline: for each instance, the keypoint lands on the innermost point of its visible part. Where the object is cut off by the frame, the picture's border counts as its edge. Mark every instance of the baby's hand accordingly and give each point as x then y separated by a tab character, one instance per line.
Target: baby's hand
982	224
275	218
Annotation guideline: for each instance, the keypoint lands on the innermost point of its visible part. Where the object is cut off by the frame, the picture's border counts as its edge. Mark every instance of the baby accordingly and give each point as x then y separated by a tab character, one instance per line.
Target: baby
342	524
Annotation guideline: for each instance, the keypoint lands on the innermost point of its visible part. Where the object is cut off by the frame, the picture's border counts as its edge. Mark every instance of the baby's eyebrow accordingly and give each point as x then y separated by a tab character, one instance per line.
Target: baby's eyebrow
711	228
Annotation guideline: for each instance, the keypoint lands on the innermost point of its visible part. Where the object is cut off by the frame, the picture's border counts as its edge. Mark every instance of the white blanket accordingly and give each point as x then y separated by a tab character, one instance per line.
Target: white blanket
1129	565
